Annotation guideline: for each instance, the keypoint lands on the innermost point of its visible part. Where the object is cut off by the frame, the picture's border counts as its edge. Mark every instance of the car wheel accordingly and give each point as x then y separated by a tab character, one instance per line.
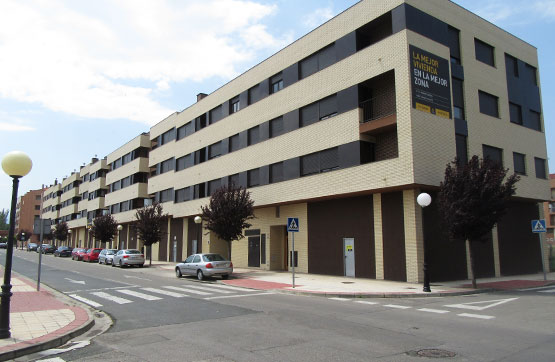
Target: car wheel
113	265
225	277
200	275
141	265
120	264
178	273
99	261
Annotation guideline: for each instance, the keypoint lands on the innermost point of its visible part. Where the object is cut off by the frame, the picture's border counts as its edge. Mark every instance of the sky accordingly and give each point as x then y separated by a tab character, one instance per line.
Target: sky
80	78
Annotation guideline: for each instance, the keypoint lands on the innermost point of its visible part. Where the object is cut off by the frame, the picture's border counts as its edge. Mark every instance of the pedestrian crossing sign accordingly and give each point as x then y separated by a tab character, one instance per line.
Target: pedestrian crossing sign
538	226
293	224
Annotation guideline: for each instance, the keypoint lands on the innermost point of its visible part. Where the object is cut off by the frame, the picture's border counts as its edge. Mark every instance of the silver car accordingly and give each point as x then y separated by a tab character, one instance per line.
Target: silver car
128	257
106	256
204	265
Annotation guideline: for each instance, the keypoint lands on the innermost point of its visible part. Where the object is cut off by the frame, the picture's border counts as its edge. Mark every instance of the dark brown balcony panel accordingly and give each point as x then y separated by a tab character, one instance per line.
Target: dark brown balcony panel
380	125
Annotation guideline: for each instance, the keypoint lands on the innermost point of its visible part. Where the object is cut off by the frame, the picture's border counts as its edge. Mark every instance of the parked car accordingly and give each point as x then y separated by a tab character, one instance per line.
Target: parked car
106	256
204	265
128	257
63	251
77	254
3	245
91	255
46	249
32	247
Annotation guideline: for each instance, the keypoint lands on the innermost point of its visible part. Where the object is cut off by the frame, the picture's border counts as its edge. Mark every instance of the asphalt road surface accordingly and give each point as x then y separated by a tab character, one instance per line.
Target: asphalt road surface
158	317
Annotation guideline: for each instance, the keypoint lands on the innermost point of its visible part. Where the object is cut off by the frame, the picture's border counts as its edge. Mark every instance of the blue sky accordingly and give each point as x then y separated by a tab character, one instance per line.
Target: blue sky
81	78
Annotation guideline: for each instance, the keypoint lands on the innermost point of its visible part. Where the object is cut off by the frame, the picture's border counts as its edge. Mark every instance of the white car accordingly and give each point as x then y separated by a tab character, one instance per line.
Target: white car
128	257
106	256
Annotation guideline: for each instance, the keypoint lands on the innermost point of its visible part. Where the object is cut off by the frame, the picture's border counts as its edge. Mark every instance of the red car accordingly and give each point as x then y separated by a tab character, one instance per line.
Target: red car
77	253
92	255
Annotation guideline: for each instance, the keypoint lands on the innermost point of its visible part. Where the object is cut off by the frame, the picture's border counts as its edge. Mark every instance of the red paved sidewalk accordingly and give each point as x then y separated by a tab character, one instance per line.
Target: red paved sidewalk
41	320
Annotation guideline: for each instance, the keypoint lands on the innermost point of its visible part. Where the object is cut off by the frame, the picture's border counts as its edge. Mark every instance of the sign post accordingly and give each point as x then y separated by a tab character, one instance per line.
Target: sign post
538	226
293	227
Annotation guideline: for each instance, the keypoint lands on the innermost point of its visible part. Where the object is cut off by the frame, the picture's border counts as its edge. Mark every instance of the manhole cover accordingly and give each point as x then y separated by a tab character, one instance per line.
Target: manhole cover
347	282
432	353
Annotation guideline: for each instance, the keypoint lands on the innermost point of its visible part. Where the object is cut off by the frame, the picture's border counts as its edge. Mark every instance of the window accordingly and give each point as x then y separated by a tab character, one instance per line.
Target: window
488	104
214	150
310	164
213	186
184	162
531	74
234	143
183	194
167	137
458	98
234	105
215	116
116	186
37	197
484	52
493	153
276	127
186	130
511	63
126	158
320	110
166	195
234	179
200	156
253	178
167	165
254	94
519	161
37	207
535	120
114	209
276	83
462	149
328	107
454	45
309	114
515	112
253	135
276	172
125	206
329	159
317	61
126	182
539	164
200	190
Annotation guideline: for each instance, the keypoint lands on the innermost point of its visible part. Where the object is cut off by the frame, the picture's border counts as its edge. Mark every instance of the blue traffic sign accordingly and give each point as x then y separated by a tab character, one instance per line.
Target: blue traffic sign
538	226
293	224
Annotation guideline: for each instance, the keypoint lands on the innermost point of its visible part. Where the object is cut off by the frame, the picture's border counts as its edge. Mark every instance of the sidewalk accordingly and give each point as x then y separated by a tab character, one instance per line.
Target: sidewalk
337	286
41	320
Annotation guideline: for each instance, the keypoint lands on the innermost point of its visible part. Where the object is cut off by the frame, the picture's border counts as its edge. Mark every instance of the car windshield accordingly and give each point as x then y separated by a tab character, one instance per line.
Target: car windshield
110	252
132	252
213	257
96	251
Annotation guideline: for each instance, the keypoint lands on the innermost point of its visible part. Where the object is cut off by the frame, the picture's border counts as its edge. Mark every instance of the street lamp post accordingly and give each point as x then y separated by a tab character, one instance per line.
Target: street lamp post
424	200
120	228
198	221
16	164
70	240
22	240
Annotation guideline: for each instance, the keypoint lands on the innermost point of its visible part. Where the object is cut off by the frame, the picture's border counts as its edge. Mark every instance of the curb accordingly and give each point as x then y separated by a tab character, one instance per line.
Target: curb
60	340
381	295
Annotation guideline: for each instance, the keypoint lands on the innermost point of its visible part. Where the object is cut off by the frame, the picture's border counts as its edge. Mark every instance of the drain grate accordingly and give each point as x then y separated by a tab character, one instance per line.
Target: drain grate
347	282
432	353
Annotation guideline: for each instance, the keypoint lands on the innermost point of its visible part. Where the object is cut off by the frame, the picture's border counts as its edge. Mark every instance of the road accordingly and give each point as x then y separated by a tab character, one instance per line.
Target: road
161	318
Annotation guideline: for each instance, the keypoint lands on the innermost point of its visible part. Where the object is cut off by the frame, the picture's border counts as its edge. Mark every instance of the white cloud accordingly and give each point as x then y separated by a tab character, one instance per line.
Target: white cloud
110	60
318	17
11	127
545	8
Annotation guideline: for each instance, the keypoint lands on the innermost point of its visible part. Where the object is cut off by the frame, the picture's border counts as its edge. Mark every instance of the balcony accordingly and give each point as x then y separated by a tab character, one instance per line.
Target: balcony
377	104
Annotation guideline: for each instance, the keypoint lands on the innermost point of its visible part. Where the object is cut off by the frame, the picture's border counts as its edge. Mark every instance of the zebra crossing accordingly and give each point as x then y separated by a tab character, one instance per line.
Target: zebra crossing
131	294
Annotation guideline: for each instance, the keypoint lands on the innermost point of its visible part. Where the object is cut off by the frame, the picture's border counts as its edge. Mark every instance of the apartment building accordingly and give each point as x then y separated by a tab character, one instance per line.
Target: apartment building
27	210
343	129
549	214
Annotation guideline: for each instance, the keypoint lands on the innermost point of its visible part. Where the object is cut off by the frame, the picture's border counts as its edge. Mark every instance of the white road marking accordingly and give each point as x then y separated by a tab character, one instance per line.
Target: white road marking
438	311
112	298
209	289
138	294
339	299
397	306
223	286
473	305
75	281
134	277
238	296
478	316
365	302
547	291
165	292
187	290
86	301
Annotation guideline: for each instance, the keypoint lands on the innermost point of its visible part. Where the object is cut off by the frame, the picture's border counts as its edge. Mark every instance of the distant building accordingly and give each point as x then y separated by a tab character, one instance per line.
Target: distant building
27	210
549	215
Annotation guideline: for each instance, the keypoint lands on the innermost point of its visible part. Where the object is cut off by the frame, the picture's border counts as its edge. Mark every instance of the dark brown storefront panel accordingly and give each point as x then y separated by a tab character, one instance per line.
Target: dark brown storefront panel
519	248
176	233
193	232
331	221
123	238
483	257
163	243
446	257
393	230
132	238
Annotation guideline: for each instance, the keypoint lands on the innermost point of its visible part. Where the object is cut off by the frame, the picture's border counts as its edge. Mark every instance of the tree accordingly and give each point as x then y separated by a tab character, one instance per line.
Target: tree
60	231
4	224
23	235
149	225
104	228
227	213
472	199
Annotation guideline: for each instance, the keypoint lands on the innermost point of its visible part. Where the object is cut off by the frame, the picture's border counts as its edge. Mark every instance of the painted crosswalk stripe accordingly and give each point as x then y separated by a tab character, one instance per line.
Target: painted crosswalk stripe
397	306
366	302
547	291
339	299
438	311
478	316
187	290
209	289
229	287
85	300
112	298
239	295
165	292
138	294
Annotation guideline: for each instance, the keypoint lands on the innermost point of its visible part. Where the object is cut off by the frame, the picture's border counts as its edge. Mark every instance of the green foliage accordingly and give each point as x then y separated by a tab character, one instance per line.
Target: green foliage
227	213
60	231
104	228
4	221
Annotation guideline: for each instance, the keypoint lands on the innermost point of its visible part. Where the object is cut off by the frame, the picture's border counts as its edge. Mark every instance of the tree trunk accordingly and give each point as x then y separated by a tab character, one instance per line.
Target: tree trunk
150	255
229	249
472	264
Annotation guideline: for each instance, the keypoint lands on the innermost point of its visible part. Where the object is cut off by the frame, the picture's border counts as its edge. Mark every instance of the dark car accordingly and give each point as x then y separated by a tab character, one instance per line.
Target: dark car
3	245
32	247
47	249
63	251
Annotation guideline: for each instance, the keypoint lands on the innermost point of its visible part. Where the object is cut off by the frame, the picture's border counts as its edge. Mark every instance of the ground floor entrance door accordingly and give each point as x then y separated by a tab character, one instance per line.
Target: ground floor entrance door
349	251
254	251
